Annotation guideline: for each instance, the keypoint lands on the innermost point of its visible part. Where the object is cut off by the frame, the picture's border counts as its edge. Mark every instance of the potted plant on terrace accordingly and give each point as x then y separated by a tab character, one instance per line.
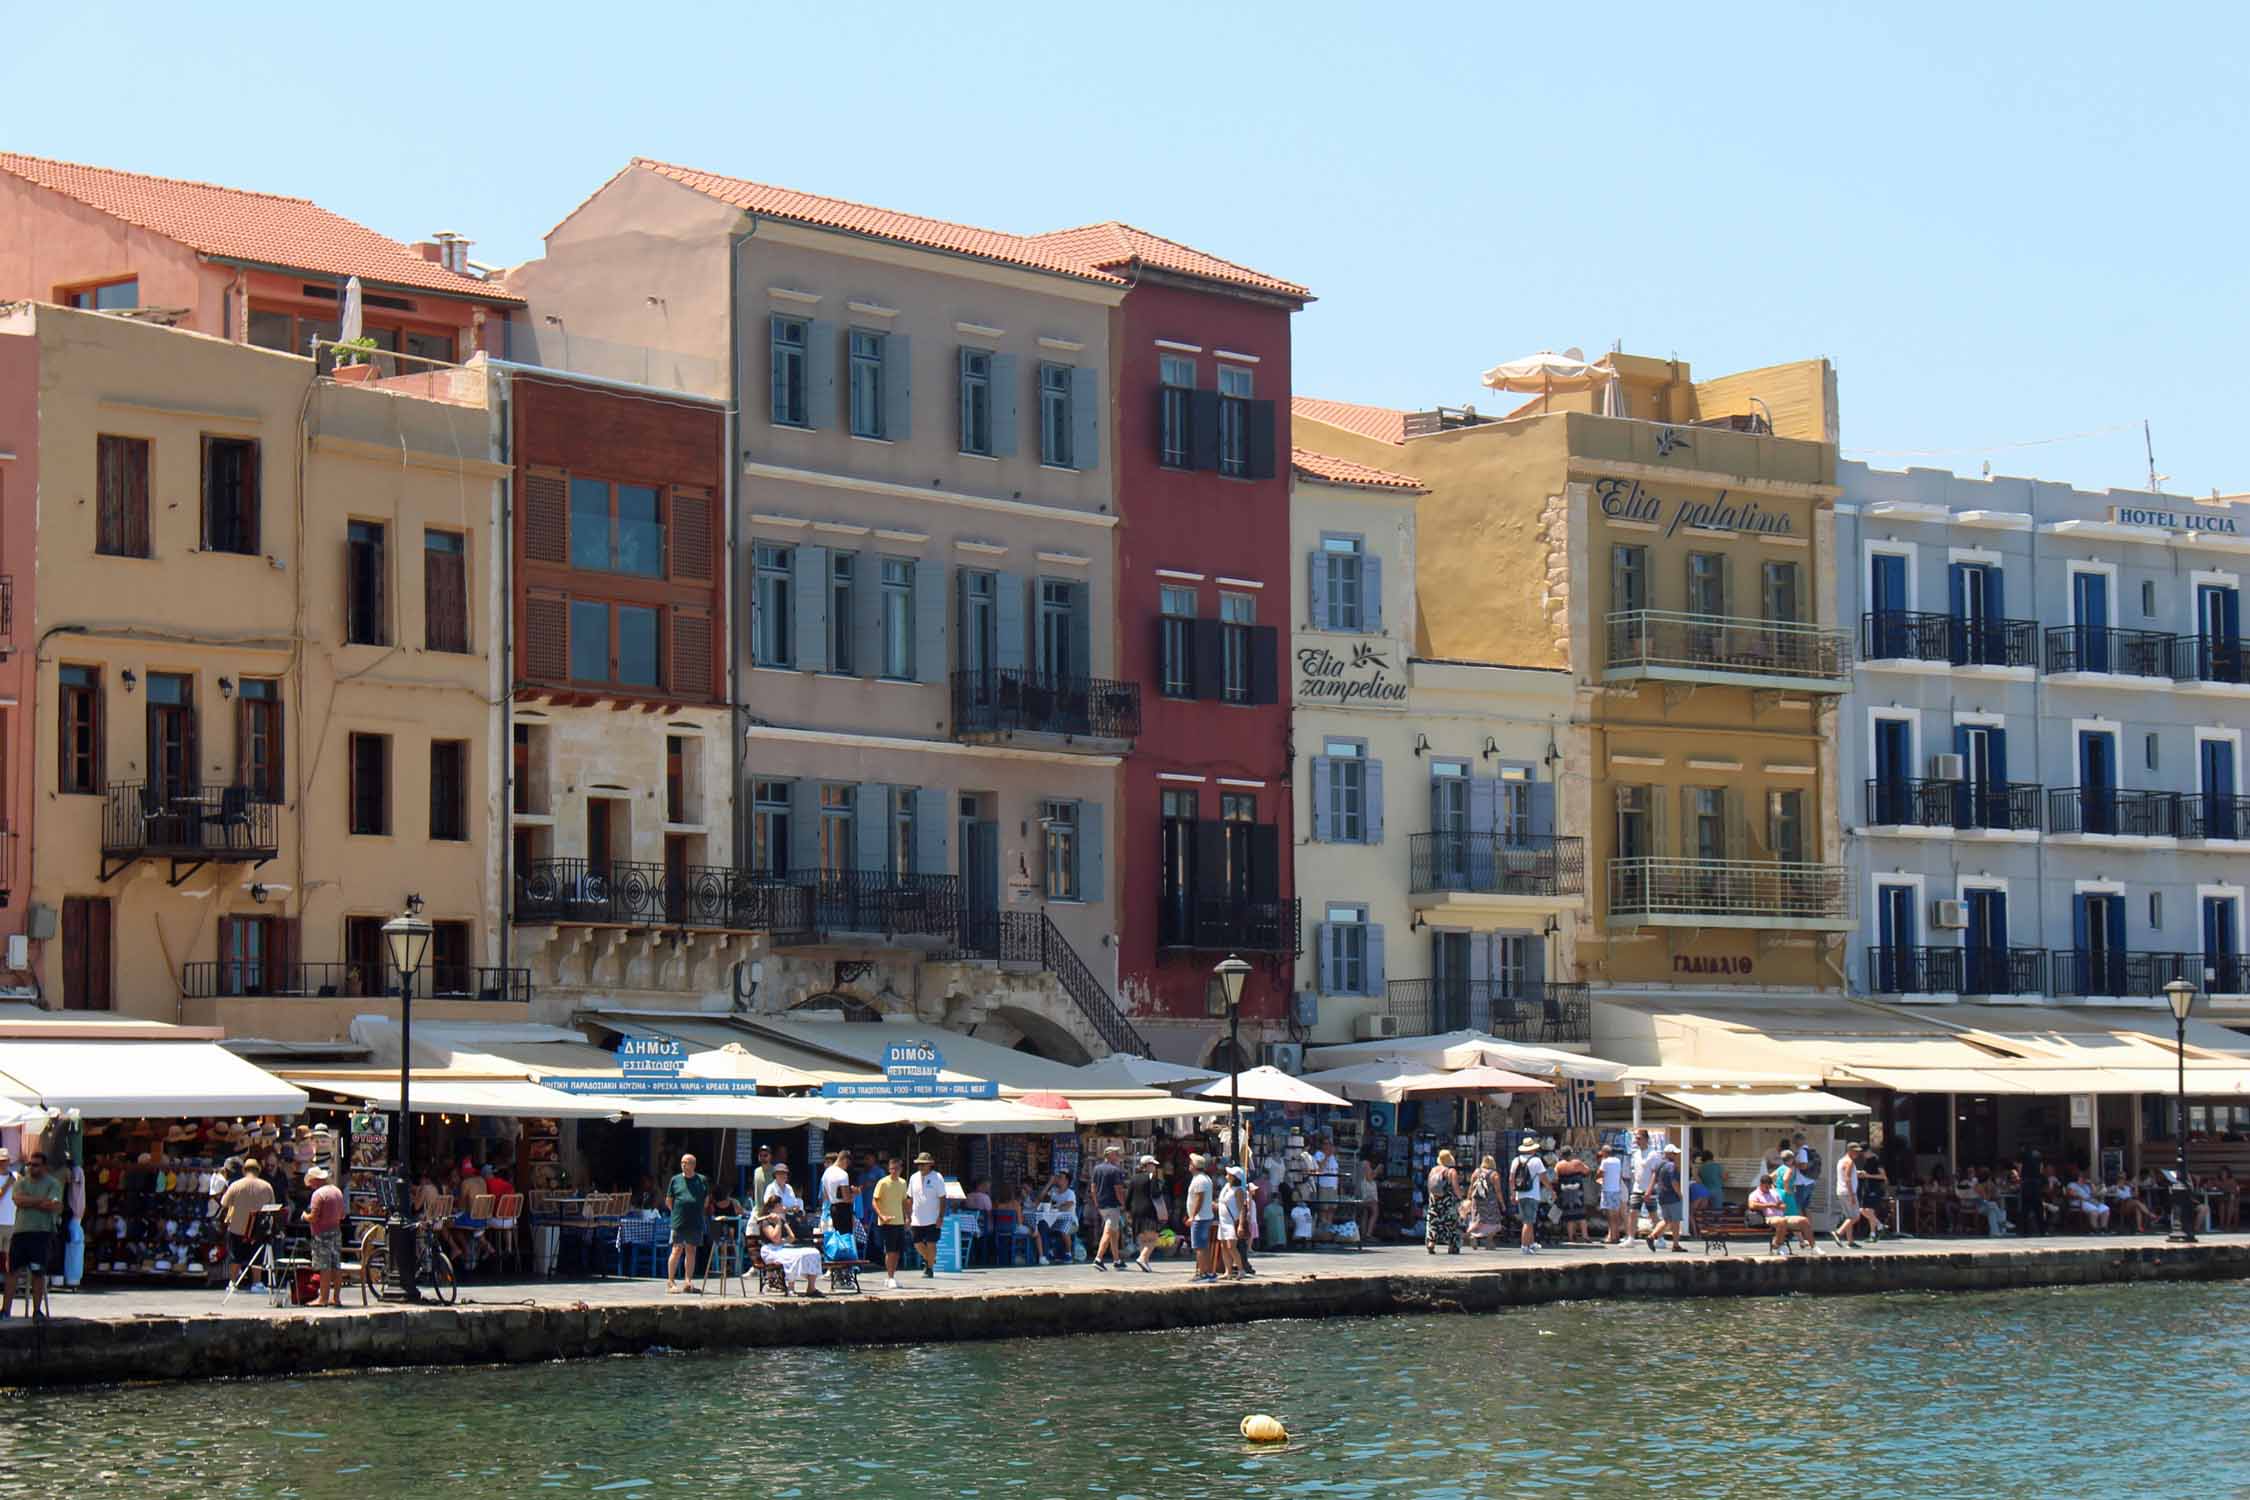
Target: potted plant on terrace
354	360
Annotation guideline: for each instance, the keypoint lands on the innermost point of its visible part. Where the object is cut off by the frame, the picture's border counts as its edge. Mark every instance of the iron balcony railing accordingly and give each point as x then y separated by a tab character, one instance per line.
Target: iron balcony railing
2211	658
1234	926
1015	700
2106	648
1030	937
208	979
1720	889
1912	802
187	821
1916	635
2075	973
1492	864
877	902
2226	974
2113	810
2214	815
1895	970
1527	1010
626	894
1671	640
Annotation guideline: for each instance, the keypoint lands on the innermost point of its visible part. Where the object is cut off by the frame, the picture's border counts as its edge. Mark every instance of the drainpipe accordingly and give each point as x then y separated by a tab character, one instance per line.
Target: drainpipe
737	707
501	410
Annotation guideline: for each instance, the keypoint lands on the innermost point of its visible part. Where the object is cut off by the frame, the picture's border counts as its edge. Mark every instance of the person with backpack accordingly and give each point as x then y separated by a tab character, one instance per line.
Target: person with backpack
1571	1179
1809	1159
1664	1200
1527	1179
1486	1220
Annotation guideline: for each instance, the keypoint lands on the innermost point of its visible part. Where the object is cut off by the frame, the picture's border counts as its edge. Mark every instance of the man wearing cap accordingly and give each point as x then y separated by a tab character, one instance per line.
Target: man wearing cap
324	1216
1144	1205
1202	1215
1664	1199
1109	1202
239	1206
925	1194
1530	1179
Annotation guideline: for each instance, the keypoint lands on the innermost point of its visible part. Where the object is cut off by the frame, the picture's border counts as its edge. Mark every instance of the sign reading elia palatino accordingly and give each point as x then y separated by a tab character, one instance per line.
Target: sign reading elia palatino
1362	677
1629	500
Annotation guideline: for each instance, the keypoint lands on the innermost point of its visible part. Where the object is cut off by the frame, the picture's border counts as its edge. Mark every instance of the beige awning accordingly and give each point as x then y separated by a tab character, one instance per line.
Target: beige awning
514	1098
1762	1104
142	1079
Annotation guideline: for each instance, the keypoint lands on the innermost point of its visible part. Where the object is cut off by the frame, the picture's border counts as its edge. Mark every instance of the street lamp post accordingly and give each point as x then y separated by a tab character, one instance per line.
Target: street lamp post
407	938
1232	971
2181	996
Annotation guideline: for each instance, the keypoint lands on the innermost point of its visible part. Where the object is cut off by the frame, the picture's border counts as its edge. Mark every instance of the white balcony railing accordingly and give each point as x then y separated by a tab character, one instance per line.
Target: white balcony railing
1669	643
1729	892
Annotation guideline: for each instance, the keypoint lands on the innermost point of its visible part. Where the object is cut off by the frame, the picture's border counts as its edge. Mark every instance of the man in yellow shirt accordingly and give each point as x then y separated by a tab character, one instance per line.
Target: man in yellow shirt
890	1220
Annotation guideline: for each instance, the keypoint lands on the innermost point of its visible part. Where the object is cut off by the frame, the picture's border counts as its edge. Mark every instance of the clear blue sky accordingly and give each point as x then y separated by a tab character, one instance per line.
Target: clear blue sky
2004	224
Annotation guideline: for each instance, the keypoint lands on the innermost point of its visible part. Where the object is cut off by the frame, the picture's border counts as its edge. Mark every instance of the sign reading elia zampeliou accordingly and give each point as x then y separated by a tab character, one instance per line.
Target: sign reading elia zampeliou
1361	677
1629	500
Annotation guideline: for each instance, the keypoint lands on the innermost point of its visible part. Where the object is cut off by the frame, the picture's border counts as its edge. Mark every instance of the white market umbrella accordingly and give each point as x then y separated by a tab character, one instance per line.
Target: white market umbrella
1547	372
1124	1070
349	328
1266	1085
1392	1080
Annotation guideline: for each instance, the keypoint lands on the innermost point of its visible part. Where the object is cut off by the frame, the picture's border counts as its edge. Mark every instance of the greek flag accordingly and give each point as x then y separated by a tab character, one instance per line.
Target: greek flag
1580	1104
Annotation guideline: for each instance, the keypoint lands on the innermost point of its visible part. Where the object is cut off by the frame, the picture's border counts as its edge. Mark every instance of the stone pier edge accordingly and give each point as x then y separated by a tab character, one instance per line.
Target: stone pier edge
148	1349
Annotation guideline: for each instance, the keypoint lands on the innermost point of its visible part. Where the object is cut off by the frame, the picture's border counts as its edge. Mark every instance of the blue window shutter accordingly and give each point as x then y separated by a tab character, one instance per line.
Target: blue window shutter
1323	952
2078	920
1374	818
811	588
1371	591
871	827
1542	809
1092	859
933	820
1085	418
1996	593
1007	621
1534	962
930	615
804	827
1007	393
898	387
1316	590
867	616
1483	975
1484	804
1374	977
1957	589
820	374
1321	832
1996	752
1081	631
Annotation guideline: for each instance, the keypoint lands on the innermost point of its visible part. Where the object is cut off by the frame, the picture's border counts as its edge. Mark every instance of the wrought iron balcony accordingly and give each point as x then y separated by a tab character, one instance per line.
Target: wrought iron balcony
1729	893
1001	702
1912	802
1916	635
1956	971
2212	658
2226	974
624	894
2081	972
1527	1010
191	824
205	980
2106	648
877	902
1490	864
2214	815
2114	811
1675	646
1221	924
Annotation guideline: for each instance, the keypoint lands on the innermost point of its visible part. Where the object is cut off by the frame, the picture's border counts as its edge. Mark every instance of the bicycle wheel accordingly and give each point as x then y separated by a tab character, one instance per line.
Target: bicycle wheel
440	1270
373	1252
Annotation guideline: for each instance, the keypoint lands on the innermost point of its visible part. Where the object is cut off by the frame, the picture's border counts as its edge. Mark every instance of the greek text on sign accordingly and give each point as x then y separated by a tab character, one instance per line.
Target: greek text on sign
1628	500
647	1085
1364	677
650	1055
2172	520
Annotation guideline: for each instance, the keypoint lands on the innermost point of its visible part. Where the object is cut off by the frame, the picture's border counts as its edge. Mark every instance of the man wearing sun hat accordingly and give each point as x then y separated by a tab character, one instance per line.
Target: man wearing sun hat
925	1195
324	1216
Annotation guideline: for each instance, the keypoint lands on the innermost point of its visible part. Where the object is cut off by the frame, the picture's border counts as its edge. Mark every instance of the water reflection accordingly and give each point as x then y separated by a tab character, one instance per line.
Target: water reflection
2003	1395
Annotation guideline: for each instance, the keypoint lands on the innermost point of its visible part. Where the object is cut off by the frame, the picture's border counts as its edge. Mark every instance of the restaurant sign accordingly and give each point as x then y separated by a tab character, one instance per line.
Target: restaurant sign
910	1071
649	1067
2172	520
1630	500
1362	677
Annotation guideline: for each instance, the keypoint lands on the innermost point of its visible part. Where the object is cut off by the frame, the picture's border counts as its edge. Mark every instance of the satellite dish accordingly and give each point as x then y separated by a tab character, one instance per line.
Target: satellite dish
1574	352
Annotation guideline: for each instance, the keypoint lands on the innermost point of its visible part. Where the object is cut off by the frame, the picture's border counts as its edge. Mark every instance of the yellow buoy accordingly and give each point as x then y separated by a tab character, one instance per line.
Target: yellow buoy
1264	1429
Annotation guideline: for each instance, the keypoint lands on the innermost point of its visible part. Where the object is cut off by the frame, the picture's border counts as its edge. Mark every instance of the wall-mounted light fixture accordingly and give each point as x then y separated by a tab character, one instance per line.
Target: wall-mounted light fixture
1491	747
128	678
1421	743
226	687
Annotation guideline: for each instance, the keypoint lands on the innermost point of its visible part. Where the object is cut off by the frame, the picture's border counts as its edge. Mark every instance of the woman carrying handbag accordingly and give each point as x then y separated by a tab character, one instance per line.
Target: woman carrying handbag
1443	1226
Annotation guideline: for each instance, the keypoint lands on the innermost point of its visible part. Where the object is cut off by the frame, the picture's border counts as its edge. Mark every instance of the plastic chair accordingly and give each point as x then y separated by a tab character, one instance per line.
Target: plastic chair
1006	1235
501	1230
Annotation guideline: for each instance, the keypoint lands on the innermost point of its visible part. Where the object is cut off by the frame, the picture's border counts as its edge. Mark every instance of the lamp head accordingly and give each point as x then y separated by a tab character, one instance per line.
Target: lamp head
2180	995
407	939
1232	971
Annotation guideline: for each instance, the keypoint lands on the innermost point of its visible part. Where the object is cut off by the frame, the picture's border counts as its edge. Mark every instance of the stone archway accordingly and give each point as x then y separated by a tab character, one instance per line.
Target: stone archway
1027	1030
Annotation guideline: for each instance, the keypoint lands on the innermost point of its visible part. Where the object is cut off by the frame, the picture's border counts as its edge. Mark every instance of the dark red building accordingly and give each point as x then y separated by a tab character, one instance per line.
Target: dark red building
1201	349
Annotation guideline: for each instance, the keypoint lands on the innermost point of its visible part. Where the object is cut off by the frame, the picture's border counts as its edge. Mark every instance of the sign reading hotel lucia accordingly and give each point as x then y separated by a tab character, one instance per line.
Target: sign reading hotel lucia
2172	520
1629	500
1360	676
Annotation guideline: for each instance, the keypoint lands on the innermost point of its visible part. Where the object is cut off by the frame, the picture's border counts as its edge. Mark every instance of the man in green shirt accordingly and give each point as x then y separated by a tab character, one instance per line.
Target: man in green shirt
36	1248
687	1196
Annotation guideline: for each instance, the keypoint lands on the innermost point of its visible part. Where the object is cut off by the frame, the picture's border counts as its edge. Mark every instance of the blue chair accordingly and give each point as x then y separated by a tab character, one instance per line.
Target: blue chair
1007	1230
642	1243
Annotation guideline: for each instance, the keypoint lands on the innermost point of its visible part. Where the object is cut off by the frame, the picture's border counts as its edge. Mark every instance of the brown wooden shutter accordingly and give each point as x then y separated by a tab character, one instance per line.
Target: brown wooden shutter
282	954
121	525
691	534
245	742
546	635
546	515
691	652
253	467
445	600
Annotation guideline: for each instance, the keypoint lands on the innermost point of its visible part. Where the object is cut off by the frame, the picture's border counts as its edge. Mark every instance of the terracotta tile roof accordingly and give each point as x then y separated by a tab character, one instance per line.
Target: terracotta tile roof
239	225
1334	470
1378	422
1094	252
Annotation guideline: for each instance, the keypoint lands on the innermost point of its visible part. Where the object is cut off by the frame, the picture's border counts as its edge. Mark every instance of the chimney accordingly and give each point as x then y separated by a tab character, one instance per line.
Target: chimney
430	251
453	251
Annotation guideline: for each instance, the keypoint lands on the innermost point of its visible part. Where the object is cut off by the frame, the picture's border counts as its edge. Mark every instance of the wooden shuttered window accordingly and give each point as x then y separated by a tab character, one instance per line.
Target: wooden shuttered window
230	495
692	543
546	515
258	739
691	652
121	521
546	636
445	591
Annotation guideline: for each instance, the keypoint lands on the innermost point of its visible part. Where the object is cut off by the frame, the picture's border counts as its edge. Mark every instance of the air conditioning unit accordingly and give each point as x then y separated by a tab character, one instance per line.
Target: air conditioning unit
1948	768
1949	914
1287	1056
1375	1028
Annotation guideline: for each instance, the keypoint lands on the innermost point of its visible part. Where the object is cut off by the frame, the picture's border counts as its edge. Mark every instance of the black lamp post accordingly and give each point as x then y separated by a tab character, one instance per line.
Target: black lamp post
2180	995
407	937
1232	971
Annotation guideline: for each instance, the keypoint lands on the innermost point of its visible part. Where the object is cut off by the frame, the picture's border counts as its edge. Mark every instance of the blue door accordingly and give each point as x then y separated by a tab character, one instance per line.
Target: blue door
2098	932
2222	946
1897	973
2221	816
2089	615
1886	599
1987	944
1894	770
1983	799
2097	782
2218	614
1976	636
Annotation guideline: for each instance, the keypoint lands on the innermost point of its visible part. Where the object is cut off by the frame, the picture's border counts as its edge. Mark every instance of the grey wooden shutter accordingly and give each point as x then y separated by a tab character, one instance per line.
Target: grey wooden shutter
1542	809
1323	948
1081	630
933	819
1085	417
1209	648
867	615
1007	621
1321	832
820	375
1092	858
1006	396
1374	819
1373	980
1259	444
898	387
1203	441
1265	664
1534	964
804	827
1484	975
810	585
1484	804
1659	825
930	663
1316	589
1371	592
871	827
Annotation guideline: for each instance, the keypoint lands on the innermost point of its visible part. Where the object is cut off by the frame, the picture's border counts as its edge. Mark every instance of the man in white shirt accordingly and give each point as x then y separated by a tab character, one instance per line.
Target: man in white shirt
1530	1180
1847	1200
1613	1196
1327	1171
1641	1168
925	1197
836	1191
1202	1211
7	1211
778	1191
1058	1220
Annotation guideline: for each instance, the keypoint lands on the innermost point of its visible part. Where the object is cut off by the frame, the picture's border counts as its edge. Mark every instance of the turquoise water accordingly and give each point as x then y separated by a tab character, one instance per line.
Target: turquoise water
2082	1392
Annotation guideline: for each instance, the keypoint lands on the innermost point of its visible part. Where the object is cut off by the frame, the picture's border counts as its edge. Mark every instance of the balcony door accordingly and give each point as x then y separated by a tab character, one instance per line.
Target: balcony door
2218	614
2215	775
2222	945
1886	601
2098	923
1707	601
1983	749
1176	908
1453	980
171	737
249	957
1894	940
1987	942
1894	771
978	632
1978	638
2089	617
1450	825
2097	781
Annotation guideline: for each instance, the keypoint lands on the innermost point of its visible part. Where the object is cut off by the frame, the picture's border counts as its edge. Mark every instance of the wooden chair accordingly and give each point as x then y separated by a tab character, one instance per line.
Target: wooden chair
507	1214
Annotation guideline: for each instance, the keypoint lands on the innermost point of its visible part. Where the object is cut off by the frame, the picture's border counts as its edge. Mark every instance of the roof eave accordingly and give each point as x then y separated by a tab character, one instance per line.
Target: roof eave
370	283
1106	282
1143	272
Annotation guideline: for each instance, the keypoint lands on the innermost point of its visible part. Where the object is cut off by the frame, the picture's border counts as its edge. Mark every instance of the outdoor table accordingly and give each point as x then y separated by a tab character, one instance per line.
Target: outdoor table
1901	1200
